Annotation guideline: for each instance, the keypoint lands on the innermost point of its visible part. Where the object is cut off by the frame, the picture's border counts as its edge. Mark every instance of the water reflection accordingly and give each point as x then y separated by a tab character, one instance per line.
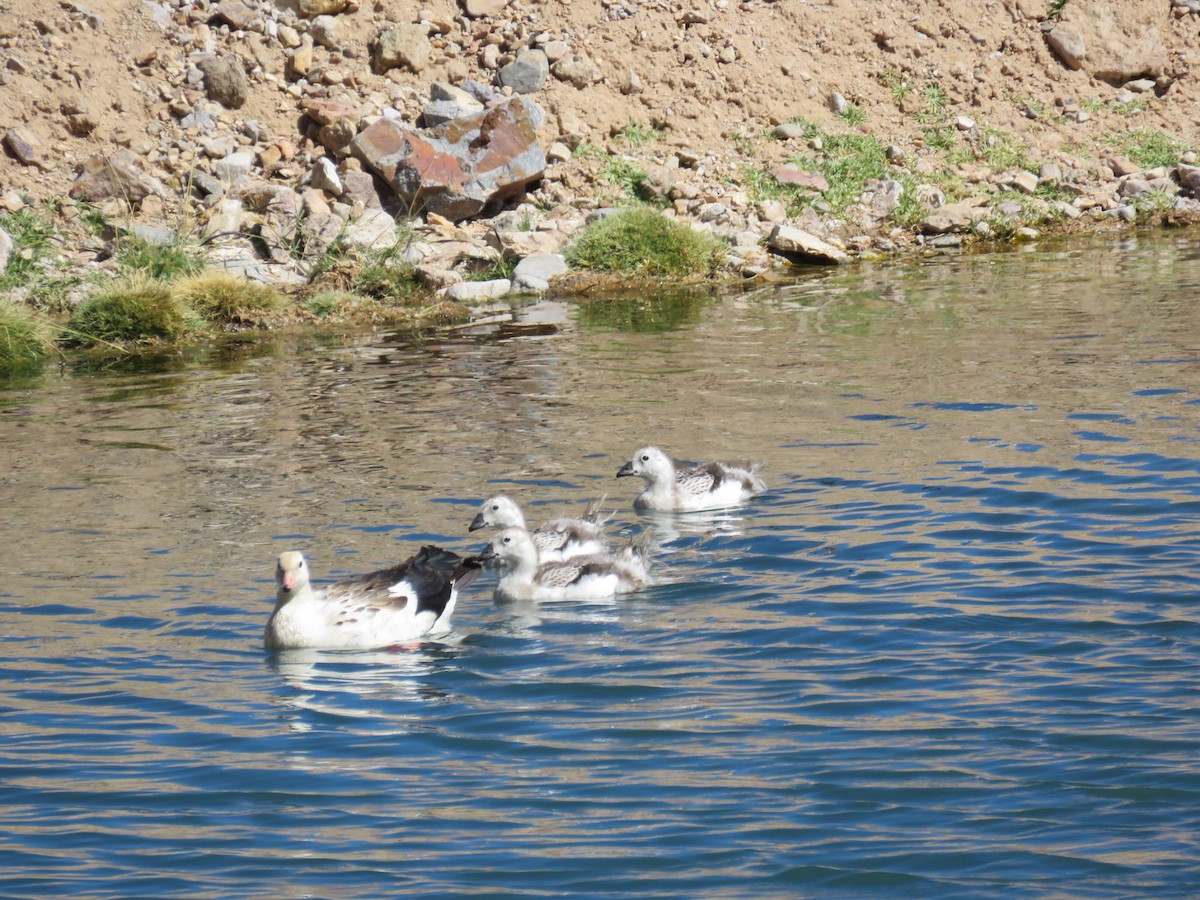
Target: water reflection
949	652
523	618
650	311
362	684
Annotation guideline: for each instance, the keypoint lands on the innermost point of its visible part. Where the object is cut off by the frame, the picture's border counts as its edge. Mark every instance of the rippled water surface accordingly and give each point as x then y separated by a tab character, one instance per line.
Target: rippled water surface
952	652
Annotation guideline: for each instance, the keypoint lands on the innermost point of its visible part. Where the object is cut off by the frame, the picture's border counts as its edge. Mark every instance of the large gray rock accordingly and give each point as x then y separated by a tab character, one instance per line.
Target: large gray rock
526	74
458	168
1113	40
481	9
532	274
1068	45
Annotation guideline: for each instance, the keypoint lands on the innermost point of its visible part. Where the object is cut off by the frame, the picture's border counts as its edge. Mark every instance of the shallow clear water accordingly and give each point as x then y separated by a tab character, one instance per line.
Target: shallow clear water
952	652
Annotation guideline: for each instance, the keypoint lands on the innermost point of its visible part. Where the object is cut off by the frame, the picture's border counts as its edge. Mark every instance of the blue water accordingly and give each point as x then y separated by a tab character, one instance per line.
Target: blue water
952	652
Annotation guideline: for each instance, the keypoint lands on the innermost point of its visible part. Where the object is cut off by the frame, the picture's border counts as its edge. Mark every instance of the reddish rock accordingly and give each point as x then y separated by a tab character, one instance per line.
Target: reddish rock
459	167
324	111
788	174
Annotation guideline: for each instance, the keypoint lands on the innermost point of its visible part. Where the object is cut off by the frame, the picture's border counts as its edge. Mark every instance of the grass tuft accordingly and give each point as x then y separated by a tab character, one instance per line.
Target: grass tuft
162	262
25	339
226	299
641	241
33	240
332	304
388	282
638	135
626	174
134	309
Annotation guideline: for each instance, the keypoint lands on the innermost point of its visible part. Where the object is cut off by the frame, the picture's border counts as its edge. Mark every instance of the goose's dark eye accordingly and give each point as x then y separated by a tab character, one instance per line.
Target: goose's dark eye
645	457
495	507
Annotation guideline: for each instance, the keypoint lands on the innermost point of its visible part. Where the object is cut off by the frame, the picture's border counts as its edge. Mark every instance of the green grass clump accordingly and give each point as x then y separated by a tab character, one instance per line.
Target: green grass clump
33	240
1151	149
853	115
388	282
625	174
848	162
496	268
162	262
135	309
25	340
641	241
638	135
226	299
331	304
1001	150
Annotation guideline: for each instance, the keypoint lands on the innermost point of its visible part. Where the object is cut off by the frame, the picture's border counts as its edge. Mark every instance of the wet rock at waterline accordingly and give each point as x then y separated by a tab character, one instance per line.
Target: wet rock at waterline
797	245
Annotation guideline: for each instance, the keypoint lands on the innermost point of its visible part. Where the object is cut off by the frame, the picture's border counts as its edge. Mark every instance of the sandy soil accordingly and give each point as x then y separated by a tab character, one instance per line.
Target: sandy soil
716	76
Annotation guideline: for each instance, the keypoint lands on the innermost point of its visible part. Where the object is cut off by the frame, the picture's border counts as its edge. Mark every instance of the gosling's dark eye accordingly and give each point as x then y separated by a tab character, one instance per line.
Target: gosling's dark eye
495	507
646	457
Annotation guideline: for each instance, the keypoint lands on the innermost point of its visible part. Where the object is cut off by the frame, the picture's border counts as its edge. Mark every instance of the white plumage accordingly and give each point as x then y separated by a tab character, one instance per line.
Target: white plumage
555	540
409	601
674	486
592	577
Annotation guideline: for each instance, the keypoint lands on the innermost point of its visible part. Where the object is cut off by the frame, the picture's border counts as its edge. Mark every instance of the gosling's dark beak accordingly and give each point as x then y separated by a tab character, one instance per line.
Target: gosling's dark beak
476	523
626	469
488	552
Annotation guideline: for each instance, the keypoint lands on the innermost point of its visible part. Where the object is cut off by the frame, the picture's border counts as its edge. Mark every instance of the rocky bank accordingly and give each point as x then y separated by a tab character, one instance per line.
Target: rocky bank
277	133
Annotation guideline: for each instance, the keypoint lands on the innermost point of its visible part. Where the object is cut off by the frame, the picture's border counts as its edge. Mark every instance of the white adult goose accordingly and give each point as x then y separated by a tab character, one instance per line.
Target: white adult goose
555	540
409	601
674	486
595	577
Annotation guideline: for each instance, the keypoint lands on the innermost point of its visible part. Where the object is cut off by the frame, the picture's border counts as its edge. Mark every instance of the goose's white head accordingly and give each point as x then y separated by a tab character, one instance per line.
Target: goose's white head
498	512
512	546
291	575
649	463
